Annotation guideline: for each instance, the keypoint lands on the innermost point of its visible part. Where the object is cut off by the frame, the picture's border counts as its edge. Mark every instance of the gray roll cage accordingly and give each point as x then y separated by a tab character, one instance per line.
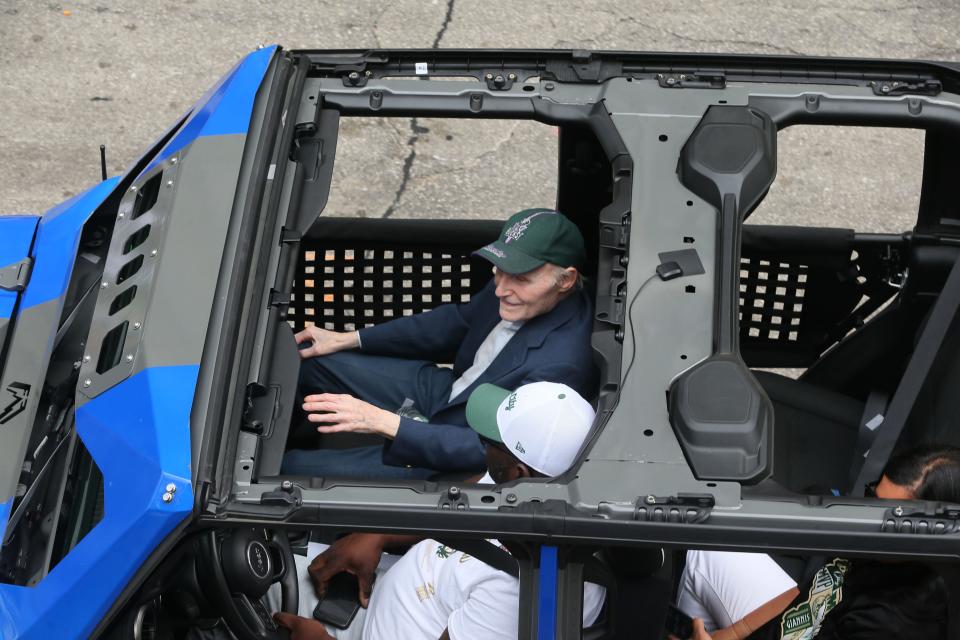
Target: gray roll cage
634	483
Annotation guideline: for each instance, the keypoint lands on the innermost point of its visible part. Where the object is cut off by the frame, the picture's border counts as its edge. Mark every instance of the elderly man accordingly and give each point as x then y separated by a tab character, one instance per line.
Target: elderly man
531	323
435	591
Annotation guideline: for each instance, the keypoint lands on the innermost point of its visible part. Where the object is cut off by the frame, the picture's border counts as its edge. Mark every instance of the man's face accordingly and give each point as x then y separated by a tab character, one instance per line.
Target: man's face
502	466
528	295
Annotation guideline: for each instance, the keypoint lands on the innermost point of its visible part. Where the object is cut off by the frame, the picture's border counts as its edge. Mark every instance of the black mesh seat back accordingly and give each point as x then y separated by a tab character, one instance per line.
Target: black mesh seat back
356	272
799	289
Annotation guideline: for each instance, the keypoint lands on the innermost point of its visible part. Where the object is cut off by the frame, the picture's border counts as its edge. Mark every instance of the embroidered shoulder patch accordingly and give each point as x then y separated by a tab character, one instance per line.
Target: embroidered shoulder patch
803	621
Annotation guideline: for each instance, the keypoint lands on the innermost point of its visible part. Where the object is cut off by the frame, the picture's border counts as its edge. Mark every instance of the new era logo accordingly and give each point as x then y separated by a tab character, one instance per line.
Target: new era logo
520	448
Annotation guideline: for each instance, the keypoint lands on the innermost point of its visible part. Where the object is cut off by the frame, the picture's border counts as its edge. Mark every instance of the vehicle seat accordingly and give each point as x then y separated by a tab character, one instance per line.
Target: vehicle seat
816	429
638	608
815	432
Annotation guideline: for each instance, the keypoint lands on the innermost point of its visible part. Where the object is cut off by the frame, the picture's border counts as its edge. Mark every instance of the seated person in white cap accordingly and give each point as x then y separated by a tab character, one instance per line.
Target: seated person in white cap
433	591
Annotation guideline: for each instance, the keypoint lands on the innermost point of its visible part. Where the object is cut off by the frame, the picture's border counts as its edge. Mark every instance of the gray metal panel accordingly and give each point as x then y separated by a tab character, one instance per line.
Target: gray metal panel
183	292
673	328
31	344
169	314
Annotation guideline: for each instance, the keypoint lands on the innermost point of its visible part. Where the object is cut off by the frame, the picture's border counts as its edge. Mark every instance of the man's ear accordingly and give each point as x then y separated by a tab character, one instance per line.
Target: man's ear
521	470
567	279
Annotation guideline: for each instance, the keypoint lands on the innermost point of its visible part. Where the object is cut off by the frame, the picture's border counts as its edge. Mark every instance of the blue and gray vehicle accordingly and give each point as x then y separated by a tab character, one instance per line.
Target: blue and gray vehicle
148	370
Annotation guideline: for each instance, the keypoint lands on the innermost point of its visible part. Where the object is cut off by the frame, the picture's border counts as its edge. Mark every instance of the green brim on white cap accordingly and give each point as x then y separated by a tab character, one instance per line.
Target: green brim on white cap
482	406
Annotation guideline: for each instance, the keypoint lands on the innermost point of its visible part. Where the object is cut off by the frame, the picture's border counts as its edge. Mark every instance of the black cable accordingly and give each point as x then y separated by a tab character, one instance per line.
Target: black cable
633	334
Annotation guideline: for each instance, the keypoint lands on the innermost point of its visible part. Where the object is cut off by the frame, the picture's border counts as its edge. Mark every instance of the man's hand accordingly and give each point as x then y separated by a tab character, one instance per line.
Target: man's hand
699	632
325	342
302	628
357	553
342	412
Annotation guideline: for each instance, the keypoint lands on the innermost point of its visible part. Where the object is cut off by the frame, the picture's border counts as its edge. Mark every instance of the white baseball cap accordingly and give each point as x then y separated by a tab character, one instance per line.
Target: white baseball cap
543	424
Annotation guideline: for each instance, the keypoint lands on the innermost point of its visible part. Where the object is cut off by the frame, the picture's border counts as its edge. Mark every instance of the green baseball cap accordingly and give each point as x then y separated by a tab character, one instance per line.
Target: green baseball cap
532	238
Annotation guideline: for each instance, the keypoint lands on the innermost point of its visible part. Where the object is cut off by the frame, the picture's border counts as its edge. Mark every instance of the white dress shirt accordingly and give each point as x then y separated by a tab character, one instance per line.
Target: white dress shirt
491	347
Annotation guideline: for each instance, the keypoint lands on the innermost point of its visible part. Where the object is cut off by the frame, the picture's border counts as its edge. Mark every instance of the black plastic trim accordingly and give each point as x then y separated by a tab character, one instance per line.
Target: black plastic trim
221	370
544	524
599	66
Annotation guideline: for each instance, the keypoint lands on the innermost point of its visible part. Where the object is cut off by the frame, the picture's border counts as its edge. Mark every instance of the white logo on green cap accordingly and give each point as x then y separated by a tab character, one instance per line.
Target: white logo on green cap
517	229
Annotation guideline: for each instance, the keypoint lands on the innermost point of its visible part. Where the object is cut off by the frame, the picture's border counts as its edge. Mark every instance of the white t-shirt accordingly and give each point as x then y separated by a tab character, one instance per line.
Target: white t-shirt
433	587
724	586
489	349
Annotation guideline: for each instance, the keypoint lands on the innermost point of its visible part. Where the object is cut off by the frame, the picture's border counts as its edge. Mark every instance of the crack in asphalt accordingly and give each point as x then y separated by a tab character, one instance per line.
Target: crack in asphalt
415	129
446	23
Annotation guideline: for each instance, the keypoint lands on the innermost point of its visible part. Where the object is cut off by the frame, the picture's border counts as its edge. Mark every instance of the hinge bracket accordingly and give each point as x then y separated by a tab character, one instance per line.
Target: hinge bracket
683	508
928	87
941	521
454	499
701	80
14	277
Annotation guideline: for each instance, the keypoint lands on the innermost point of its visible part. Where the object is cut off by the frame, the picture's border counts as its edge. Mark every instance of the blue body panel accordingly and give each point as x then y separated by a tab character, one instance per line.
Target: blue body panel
138	433
226	108
55	248
17	233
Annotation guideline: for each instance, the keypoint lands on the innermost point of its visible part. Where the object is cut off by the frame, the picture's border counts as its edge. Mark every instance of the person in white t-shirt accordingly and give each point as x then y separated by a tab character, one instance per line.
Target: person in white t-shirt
434	591
733	593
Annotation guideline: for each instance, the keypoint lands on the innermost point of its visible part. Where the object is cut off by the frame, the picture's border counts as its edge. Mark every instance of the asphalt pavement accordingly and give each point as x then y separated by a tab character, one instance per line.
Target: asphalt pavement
75	75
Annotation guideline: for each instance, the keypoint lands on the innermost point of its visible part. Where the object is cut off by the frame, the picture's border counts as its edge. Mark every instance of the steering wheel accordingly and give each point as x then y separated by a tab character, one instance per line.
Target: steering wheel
237	567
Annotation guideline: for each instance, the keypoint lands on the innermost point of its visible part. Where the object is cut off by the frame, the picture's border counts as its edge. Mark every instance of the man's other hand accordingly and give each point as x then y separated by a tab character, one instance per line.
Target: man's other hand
699	632
302	628
325	342
357	553
341	412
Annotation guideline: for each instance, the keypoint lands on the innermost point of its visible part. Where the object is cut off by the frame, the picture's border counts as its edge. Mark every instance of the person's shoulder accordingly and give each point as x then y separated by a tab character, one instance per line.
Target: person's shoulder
576	309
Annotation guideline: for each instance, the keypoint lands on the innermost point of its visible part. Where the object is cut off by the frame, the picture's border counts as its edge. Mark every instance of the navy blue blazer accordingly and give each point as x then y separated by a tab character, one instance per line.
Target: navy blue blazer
554	347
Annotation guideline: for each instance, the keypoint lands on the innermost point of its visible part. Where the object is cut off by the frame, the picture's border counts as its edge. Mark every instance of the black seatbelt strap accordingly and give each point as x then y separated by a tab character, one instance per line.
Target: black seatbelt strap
870	421
594	570
598	572
914	378
487	553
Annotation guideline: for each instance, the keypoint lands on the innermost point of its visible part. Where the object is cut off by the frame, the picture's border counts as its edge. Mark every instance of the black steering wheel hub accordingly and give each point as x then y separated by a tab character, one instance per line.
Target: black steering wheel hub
248	565
238	567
